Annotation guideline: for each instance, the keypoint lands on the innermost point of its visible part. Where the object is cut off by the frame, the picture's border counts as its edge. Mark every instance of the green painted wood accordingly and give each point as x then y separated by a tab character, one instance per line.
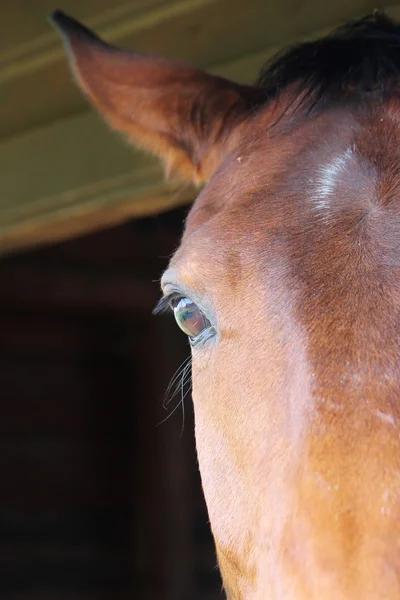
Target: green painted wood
61	171
75	176
35	85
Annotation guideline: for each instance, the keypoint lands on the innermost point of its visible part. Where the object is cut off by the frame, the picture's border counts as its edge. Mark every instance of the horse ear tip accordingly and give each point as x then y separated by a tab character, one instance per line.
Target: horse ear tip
68	26
61	20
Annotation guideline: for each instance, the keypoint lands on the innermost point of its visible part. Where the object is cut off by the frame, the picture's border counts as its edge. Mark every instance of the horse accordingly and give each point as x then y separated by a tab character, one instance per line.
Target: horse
287	285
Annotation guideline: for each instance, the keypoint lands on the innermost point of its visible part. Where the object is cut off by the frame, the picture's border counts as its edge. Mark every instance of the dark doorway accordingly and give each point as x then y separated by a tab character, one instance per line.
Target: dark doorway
97	501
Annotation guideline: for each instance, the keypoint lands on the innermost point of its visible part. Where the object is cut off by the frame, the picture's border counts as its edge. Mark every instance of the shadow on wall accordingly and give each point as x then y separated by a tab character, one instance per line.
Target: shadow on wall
97	501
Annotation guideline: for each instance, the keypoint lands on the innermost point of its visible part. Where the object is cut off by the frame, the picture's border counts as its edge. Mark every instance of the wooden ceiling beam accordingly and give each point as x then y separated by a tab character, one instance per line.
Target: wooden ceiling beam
65	174
74	291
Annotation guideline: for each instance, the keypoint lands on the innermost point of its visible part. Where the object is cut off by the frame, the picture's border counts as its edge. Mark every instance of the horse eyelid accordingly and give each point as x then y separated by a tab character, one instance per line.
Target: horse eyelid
203	337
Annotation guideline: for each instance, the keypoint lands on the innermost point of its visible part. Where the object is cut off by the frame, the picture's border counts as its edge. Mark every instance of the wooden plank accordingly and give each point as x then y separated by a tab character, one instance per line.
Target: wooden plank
33	63
65	398
62	194
74	291
75	595
73	176
66	576
36	65
138	248
62	554
53	474
59	338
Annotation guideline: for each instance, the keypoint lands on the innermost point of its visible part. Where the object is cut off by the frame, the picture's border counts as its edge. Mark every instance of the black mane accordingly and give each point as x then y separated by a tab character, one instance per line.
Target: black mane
358	61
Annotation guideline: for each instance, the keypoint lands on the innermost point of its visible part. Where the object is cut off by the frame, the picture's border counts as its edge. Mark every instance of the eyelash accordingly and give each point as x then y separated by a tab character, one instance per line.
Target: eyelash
164	305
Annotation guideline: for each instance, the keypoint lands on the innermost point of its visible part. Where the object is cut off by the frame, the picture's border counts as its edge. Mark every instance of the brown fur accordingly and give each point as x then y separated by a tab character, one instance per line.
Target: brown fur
293	250
179	113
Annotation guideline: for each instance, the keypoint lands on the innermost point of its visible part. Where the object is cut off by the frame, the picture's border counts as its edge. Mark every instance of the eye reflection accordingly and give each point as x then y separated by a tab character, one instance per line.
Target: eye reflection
189	317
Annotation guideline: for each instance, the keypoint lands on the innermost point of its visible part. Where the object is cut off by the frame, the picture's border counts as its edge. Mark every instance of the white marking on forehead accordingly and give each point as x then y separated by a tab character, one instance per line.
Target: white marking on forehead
327	177
385	417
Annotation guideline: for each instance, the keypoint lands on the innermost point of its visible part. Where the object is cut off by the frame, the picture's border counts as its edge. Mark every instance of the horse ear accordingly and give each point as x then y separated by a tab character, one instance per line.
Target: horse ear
181	114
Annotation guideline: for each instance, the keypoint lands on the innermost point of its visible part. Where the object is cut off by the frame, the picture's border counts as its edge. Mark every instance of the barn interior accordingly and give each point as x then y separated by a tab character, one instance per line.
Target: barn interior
100	494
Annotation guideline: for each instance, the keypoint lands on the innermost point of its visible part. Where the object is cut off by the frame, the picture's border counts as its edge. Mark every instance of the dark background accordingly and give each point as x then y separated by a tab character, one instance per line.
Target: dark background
97	501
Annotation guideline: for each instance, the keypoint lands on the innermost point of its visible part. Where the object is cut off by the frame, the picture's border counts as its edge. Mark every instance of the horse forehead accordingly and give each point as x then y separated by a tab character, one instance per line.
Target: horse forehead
234	223
266	157
290	184
249	195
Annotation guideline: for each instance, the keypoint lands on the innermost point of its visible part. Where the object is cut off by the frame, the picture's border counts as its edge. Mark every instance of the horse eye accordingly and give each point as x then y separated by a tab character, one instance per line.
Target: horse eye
189	317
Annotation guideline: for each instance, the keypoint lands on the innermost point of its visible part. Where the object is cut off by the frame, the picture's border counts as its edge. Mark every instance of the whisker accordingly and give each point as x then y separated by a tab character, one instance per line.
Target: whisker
174	379
185	374
186	378
181	382
182	402
177	374
169	415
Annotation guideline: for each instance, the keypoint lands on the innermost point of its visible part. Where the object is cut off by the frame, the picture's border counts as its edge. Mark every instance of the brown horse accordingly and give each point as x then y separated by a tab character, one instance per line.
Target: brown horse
287	283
